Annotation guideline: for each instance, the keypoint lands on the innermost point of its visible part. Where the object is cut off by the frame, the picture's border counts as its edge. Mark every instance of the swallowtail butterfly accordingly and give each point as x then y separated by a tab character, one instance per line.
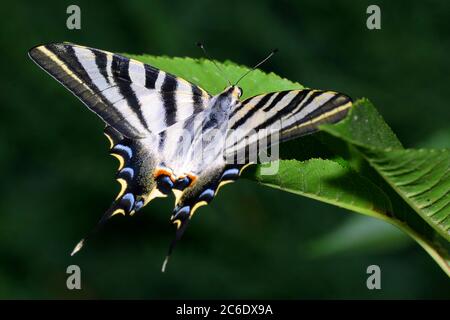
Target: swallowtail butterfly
157	123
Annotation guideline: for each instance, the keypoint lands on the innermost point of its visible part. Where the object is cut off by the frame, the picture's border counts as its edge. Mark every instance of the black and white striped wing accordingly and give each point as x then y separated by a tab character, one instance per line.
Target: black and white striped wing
290	114
132	97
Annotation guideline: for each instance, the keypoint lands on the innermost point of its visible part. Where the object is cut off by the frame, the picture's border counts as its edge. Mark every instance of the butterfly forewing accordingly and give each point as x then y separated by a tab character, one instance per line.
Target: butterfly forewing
288	114
134	98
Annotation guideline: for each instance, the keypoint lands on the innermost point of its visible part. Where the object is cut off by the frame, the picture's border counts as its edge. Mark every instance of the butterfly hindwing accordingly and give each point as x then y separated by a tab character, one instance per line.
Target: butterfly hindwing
134	98
135	174
200	193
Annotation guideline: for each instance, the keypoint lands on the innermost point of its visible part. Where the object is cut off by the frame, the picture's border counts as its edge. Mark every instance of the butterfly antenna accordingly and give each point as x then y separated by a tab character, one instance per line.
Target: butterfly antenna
201	46
257	65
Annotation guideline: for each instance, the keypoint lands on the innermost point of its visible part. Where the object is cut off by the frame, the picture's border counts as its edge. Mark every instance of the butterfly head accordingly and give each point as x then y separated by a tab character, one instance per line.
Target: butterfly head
234	92
227	99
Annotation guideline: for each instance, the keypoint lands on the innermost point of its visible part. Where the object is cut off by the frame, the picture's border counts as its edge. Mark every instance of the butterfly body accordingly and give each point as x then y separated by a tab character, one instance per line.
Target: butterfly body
171	136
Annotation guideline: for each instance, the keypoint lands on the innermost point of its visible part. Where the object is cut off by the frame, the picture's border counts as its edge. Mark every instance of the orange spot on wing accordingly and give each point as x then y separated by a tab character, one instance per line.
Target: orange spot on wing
163	171
192	177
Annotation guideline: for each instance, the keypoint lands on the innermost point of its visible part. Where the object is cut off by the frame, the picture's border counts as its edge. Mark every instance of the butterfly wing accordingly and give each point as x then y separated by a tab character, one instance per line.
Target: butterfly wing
287	114
290	114
134	98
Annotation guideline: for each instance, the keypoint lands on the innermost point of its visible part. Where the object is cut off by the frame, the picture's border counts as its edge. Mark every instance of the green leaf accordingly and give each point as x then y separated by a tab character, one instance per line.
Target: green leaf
366	128
327	181
420	177
204	73
359	164
330	182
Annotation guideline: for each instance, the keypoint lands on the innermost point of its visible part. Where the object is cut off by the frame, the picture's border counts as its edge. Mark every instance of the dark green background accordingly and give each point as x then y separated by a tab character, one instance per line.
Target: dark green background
252	242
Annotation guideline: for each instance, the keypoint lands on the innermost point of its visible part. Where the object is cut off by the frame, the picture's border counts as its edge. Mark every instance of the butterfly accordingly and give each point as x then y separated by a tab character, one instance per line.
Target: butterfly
170	135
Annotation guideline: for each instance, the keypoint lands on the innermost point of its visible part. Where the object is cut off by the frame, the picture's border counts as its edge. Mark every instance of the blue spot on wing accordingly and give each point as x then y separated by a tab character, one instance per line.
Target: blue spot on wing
164	184
206	195
138	205
230	174
129	197
126	149
182	213
128	171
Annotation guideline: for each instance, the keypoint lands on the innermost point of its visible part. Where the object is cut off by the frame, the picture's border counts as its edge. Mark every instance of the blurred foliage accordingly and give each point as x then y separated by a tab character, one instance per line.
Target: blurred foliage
251	242
366	236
